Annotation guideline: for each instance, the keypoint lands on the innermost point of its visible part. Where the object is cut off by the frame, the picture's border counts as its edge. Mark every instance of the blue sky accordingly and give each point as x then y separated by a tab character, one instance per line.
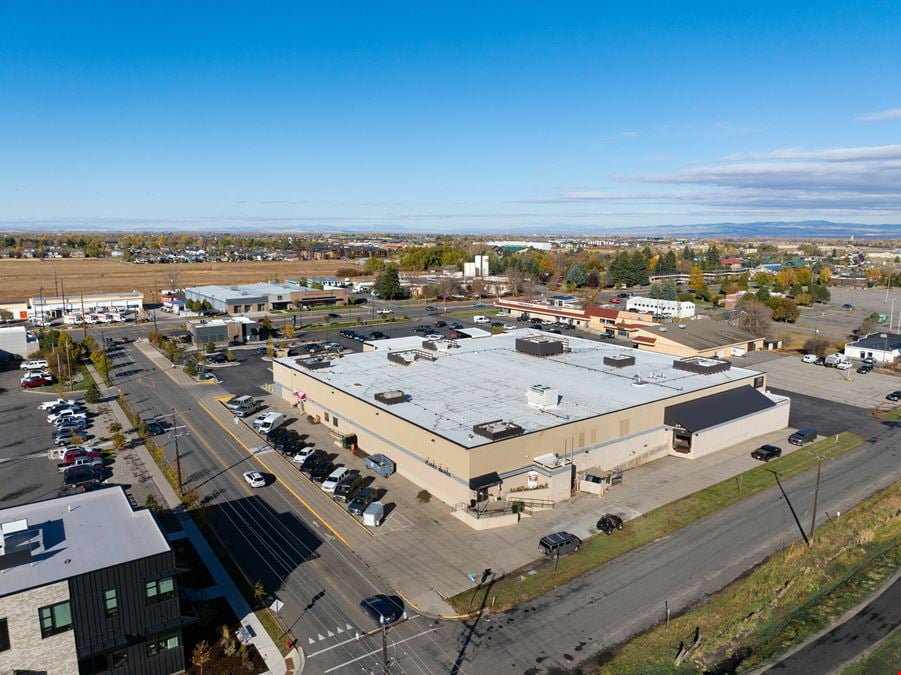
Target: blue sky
448	116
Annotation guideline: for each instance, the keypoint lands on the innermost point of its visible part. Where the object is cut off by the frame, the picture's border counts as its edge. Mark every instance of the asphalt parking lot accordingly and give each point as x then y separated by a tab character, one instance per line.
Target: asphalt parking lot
26	473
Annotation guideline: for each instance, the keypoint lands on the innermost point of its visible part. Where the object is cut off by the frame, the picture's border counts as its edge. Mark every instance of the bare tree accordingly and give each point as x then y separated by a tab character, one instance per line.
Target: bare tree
514	279
171	277
754	316
477	287
447	287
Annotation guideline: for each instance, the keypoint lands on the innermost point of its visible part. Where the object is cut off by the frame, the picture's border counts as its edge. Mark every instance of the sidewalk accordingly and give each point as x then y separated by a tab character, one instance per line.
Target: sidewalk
261	639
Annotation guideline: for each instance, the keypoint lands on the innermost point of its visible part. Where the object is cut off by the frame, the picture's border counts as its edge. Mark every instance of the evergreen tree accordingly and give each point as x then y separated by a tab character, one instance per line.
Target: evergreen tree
668	290
688	253
577	275
638	270
667	263
387	285
713	257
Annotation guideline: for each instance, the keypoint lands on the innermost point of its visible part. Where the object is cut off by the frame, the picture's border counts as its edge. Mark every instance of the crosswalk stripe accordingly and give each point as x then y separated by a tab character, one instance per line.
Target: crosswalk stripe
349	627
331	634
339	630
312	641
321	636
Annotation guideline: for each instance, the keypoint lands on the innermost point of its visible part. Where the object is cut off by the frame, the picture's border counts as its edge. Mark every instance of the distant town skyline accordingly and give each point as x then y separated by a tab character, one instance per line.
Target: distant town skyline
448	117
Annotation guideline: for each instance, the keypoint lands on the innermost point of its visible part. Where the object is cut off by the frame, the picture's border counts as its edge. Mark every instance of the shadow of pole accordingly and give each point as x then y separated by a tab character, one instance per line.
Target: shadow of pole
791	508
471	627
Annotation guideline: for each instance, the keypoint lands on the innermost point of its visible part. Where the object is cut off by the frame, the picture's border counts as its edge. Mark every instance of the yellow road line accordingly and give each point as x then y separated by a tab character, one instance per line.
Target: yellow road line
283	483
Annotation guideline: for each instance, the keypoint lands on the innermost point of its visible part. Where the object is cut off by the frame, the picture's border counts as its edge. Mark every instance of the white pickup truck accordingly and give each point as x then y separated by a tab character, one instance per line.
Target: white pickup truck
66	412
70	402
95	463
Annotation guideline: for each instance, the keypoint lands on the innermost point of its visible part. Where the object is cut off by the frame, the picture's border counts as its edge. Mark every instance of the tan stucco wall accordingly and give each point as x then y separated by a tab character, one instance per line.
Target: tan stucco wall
54	655
620	439
731	433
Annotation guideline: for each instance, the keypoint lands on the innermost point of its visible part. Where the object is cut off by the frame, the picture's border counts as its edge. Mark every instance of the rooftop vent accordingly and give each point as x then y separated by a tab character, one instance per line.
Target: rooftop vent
314	364
619	360
408	356
15	543
702	365
542	396
391	397
497	430
539	345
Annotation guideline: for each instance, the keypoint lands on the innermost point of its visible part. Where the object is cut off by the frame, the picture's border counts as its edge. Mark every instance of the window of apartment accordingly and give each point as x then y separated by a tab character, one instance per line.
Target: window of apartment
325	415
4	635
118	659
55	619
110	602
335	421
161	644
159	590
758	382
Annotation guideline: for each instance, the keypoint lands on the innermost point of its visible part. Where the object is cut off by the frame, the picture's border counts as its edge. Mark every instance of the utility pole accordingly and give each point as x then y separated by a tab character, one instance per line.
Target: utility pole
84	319
816	494
42	307
385	668
177	455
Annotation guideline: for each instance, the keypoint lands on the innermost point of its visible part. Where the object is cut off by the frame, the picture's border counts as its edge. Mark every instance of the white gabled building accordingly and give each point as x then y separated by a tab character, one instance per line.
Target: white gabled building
882	347
669	308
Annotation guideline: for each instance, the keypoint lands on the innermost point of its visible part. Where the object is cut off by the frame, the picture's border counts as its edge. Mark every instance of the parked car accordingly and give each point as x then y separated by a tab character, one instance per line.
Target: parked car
508	328
864	369
555	331
72	453
478	305
894	396
434	336
377	335
71	423
216	357
34	364
347	489
301	455
809	358
431	308
33	382
79	476
615	301
456	325
848	306
347	333
767	452
322	470
843	365
65	412
63	437
384	609
312	461
422	328
559	543
363	499
440	324
610	522
497	324
254	479
478	318
385	311
59	402
802	436
331	482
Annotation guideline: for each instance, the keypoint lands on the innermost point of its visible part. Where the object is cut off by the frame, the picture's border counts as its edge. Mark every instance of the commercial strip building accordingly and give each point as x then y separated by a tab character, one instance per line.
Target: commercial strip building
16	342
882	347
522	414
232	331
47	307
87	585
264	297
675	309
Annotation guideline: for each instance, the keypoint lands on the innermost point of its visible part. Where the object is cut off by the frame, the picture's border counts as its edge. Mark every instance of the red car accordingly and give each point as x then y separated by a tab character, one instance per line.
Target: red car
33	382
71	455
615	301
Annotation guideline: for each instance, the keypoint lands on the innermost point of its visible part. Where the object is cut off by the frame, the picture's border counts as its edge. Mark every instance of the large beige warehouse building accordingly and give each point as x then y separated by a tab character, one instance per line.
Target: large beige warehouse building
475	419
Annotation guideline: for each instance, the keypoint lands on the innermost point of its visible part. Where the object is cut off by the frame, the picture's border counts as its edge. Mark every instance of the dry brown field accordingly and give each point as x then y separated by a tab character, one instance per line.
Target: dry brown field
21	279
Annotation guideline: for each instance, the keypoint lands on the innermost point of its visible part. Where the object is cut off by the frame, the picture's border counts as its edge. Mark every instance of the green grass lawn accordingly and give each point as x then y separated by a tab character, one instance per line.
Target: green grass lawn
518	587
892	415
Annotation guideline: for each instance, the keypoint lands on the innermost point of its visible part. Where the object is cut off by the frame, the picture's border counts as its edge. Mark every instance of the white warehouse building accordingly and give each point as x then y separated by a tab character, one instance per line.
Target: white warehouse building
668	308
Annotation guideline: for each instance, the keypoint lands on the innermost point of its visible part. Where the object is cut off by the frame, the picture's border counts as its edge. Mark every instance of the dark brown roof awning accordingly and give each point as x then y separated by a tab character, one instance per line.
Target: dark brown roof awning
710	411
485	481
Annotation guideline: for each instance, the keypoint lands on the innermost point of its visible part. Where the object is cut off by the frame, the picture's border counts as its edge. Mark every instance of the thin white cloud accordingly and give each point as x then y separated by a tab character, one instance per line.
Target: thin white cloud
854	154
881	115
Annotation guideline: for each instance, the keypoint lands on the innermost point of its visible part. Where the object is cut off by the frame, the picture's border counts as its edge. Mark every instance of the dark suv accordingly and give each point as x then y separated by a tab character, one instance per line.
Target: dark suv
559	543
347	489
321	471
312	461
802	436
767	452
610	522
363	499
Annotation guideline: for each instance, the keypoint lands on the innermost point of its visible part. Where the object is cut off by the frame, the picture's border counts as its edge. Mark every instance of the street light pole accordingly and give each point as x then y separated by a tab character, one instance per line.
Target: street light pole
385	668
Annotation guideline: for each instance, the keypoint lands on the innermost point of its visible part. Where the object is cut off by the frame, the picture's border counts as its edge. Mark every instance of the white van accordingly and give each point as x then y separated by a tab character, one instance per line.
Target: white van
269	422
478	318
809	358
335	477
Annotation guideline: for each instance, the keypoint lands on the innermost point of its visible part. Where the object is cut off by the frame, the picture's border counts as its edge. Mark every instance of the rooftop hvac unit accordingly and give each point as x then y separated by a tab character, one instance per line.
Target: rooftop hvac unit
391	397
543	396
619	360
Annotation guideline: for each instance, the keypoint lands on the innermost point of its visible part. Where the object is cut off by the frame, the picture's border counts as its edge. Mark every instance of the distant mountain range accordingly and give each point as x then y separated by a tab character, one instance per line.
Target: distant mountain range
804	229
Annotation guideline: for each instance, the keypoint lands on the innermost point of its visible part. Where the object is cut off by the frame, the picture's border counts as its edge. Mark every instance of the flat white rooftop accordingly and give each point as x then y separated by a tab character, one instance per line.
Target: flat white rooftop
480	380
77	534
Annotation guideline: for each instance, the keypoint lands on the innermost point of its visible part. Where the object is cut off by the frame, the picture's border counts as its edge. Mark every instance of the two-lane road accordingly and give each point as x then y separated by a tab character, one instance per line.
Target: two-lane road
272	538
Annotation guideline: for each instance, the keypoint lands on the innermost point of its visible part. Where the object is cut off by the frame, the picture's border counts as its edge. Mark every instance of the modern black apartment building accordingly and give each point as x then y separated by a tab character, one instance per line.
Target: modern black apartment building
87	585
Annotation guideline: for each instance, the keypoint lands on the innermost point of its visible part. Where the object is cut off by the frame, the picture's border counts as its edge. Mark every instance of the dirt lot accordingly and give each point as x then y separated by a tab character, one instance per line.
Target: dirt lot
22	279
